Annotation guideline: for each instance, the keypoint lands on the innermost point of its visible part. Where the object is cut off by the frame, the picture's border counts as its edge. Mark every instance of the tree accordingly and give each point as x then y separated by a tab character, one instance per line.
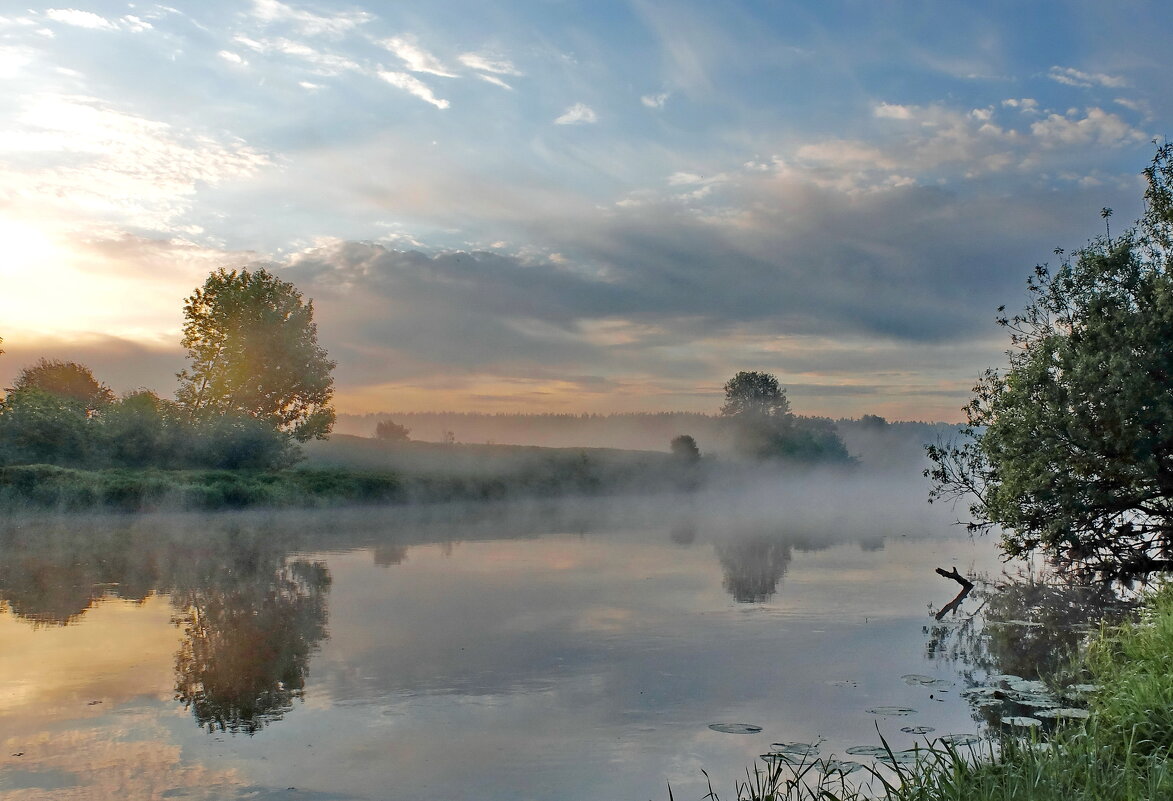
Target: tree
684	449
391	431
68	380
41	427
765	428
253	347
1069	448
754	395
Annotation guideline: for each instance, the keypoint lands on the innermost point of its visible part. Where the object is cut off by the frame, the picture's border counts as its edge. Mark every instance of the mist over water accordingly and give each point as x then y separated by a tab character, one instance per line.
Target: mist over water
571	649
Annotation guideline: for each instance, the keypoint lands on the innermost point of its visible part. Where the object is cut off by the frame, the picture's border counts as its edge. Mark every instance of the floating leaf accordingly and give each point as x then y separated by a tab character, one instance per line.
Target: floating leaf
1027	686
867	750
789	759
843	766
1024	722
917	679
735	728
905	757
890	710
1067	713
1039	701
960	739
981	692
917	729
803	749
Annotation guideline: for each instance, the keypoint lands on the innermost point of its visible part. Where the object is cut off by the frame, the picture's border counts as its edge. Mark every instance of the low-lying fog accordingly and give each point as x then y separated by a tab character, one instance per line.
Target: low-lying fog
577	649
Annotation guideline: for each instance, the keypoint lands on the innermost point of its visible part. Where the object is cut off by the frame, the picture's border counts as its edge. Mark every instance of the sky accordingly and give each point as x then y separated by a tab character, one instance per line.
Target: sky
555	206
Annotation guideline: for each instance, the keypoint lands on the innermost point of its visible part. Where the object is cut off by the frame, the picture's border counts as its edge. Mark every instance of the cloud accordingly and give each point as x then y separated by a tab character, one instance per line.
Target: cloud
1096	127
336	25
655	101
1073	77
489	63
415	57
577	114
326	64
85	159
493	79
231	57
413	86
80	19
1027	105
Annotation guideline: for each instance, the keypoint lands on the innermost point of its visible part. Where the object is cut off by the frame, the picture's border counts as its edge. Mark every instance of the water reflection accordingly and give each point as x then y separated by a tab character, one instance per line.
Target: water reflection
251	615
584	648
248	640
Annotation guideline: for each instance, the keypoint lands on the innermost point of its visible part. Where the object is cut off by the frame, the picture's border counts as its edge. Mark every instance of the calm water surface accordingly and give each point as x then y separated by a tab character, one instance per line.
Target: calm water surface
577	651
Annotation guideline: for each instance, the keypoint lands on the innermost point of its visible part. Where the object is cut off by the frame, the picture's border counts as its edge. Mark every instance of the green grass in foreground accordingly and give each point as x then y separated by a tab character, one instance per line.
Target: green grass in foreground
1121	753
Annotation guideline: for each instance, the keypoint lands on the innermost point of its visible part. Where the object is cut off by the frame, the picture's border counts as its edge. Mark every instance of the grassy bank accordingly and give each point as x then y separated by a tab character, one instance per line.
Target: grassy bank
1120	753
350	471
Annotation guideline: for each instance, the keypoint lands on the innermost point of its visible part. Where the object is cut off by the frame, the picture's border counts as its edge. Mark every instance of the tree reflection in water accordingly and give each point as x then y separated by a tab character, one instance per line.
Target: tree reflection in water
754	564
247	648
252	616
1025	625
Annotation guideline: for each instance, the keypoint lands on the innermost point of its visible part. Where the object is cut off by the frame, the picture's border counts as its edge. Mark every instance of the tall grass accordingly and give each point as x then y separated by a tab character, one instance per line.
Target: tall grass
1120	753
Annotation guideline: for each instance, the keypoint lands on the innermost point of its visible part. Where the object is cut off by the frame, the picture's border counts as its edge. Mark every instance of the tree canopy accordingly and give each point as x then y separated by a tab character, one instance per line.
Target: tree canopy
253	347
1068	450
67	380
751	394
765	428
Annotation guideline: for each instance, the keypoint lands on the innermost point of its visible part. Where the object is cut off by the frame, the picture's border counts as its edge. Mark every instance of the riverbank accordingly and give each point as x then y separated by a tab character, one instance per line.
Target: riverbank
353	471
1121	752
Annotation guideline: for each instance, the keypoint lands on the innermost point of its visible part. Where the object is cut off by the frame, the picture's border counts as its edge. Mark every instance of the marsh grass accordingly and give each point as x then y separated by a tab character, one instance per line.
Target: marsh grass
1120	753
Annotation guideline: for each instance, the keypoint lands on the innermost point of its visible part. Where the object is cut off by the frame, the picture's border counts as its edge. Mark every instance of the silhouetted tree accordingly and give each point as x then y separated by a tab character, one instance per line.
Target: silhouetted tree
1069	450
254	351
684	448
756	404
66	380
391	431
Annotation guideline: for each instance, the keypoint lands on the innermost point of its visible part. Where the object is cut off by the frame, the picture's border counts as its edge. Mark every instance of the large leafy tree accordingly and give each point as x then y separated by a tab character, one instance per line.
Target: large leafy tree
68	380
253	347
1069	448
765	428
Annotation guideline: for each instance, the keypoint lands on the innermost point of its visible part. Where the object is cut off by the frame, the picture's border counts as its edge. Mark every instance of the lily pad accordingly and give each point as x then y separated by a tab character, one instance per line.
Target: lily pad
894	711
801	749
842	766
735	728
917	729
906	757
1022	722
960	739
981	692
917	679
867	750
1038	701
1064	713
1027	686
789	759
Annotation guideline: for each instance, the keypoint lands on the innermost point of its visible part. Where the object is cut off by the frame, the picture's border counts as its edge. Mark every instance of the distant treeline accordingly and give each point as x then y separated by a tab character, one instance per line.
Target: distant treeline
874	441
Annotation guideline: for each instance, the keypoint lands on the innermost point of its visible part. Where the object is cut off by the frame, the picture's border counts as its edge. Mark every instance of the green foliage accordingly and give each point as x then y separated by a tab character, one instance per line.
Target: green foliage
36	426
253	347
1069	450
1133	667
65	380
756	396
765	428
